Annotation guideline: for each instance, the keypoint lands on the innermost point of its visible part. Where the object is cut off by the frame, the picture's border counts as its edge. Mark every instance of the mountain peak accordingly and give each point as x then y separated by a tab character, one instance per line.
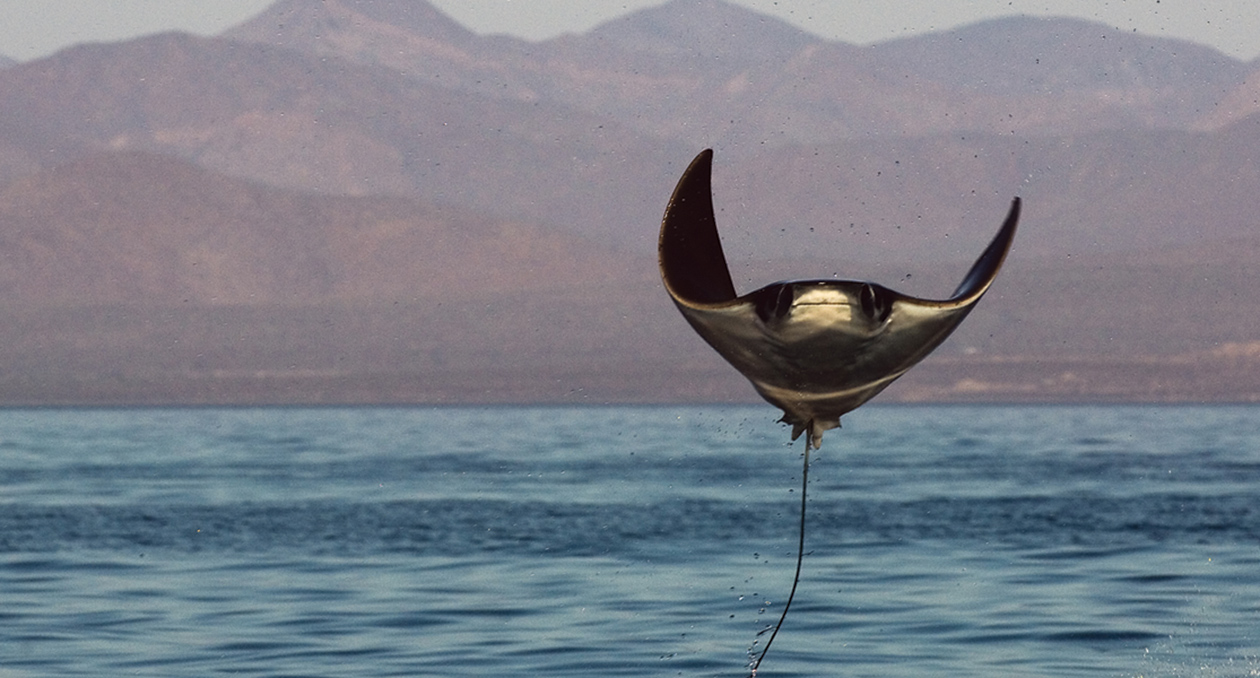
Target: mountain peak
416	16
300	19
711	27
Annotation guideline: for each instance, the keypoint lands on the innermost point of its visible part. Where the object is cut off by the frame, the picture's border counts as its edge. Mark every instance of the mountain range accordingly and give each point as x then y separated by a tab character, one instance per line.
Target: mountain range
366	202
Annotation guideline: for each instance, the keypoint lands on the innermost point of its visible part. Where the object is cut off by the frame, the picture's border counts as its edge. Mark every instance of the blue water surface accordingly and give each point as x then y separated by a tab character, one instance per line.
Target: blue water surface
628	541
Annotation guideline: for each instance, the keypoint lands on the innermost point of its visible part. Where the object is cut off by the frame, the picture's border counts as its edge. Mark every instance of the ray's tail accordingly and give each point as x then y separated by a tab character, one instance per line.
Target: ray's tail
800	556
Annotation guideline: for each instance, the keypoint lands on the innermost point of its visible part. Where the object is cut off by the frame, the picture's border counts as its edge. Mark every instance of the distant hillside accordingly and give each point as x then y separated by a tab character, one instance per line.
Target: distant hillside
139	278
328	125
136	228
365	202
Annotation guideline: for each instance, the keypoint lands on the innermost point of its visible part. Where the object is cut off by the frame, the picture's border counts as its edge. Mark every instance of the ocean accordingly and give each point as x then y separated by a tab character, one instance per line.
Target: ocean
942	541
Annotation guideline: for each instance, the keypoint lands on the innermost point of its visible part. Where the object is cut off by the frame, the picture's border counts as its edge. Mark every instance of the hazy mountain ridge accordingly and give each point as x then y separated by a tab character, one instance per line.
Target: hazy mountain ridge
366	202
732	73
320	124
281	117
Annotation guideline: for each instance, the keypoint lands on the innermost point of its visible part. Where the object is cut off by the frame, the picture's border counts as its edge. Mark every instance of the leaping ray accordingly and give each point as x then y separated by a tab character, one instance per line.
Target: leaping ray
816	349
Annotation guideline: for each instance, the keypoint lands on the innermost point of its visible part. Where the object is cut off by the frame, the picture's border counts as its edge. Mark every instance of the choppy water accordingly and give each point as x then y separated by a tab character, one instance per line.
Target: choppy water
944	541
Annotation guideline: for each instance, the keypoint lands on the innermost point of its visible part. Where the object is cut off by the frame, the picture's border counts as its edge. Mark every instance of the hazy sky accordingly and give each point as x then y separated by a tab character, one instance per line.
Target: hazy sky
33	28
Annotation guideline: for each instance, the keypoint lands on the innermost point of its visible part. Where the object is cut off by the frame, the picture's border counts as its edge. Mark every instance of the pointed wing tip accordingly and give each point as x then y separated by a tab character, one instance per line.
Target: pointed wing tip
698	172
1006	234
986	268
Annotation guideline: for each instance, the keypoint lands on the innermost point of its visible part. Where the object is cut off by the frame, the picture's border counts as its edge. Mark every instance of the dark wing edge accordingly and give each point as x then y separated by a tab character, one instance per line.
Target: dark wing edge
986	268
693	266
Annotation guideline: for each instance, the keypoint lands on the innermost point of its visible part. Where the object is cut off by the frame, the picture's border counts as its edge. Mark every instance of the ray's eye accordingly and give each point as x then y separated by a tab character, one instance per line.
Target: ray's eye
875	304
775	302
